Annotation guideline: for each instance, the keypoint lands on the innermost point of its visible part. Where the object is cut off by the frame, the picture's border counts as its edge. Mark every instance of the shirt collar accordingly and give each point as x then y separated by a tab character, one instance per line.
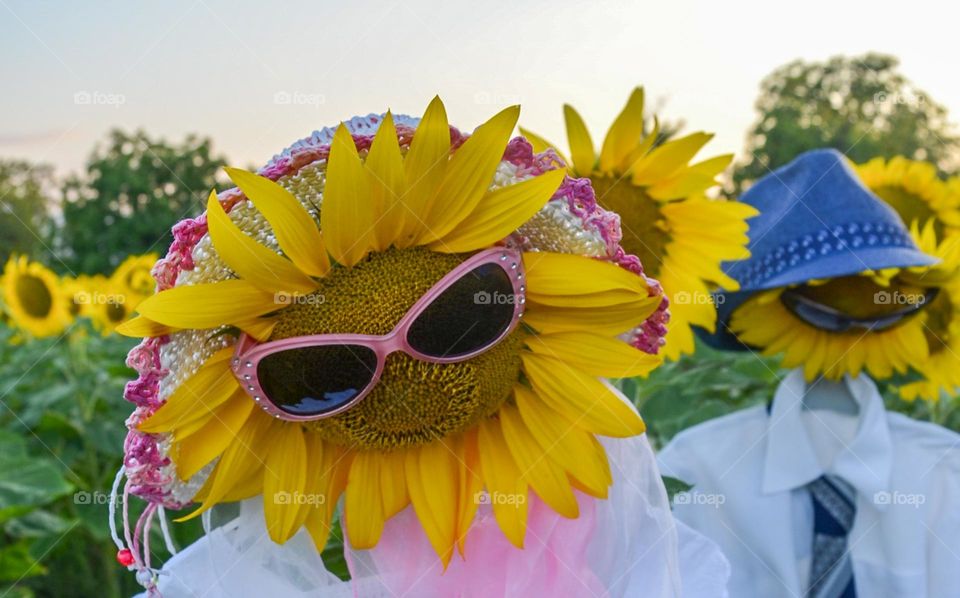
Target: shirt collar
790	460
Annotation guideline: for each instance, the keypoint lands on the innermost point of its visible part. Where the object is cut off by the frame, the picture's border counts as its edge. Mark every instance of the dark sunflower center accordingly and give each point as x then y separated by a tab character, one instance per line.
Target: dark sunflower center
35	298
116	312
140	280
642	222
910	207
415	401
75	306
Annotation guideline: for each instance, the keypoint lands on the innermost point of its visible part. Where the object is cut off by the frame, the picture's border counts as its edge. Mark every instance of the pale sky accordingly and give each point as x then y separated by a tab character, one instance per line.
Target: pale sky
73	70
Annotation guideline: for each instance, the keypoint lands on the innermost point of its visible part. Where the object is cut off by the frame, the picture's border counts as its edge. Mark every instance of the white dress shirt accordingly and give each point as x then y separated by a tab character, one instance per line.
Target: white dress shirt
749	470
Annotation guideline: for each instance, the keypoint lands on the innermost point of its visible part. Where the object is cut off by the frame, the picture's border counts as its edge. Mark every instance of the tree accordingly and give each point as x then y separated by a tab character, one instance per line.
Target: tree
24	207
861	106
134	189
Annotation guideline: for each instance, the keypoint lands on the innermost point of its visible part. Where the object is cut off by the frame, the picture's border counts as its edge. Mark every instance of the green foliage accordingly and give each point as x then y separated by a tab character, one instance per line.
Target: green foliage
696	388
61	443
24	207
674	486
133	191
861	106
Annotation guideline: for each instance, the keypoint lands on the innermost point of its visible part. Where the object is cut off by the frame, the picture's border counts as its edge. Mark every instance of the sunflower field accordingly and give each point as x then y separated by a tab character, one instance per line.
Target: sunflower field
62	375
67	286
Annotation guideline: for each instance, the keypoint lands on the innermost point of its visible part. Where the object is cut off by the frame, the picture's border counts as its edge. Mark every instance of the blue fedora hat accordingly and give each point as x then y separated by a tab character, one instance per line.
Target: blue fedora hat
816	220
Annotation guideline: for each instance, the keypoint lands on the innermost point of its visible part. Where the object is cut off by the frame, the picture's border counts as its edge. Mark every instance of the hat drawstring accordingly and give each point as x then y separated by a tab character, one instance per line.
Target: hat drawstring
129	552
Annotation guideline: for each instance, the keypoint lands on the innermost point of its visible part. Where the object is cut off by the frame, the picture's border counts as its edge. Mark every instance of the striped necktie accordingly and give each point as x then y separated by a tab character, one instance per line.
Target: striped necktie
834	506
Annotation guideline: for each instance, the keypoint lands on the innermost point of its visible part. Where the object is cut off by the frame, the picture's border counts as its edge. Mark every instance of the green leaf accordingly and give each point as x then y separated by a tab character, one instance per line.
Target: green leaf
27	483
17	564
333	557
39	523
674	486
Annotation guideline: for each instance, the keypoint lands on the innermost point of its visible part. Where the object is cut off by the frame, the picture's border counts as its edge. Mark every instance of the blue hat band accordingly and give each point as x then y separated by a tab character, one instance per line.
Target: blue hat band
822	244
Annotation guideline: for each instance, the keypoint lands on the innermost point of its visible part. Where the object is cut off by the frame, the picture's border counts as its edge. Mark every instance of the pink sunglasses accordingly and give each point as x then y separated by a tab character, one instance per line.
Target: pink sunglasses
467	312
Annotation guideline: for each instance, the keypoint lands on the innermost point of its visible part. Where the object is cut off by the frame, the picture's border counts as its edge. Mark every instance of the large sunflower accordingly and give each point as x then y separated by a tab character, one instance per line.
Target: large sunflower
394	219
33	298
680	235
763	321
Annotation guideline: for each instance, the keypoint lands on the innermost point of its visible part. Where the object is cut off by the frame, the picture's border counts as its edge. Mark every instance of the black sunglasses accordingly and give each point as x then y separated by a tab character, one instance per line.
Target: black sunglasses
830	319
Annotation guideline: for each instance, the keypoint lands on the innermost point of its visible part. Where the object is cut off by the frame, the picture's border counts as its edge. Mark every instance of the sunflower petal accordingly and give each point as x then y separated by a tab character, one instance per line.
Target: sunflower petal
691	180
259	328
315	482
196	397
609	321
667	159
229	408
713	166
681	185
208	305
141	327
469	175
347	215
249	487
581	398
581	145
624	133
284	476
595	354
393	483
295	229
331	468
210	440
567	274
471	485
424	166
564	443
548	480
384	164
251	260
641	149
363	505
432	482
500	213
502	478
586	300
241	459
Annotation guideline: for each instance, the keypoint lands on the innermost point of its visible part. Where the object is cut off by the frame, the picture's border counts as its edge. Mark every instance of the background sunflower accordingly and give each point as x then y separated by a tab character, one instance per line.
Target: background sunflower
33	298
680	235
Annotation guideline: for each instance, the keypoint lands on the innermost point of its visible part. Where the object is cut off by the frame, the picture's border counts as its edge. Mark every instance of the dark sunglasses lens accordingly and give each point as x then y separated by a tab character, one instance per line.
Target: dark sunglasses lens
316	380
817	318
826	318
470	315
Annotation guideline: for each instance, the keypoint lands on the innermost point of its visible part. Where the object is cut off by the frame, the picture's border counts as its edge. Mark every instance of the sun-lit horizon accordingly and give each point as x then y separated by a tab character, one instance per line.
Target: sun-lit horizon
255	77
